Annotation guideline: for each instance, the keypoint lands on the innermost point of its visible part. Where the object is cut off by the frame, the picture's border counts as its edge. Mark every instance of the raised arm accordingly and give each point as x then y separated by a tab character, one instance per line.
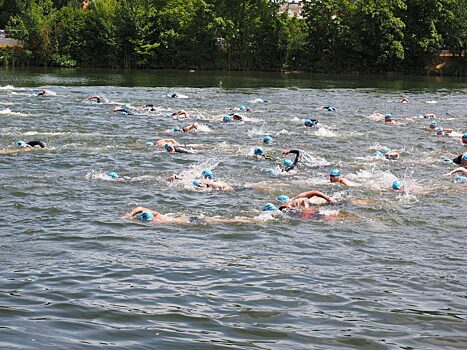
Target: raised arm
458	170
319	194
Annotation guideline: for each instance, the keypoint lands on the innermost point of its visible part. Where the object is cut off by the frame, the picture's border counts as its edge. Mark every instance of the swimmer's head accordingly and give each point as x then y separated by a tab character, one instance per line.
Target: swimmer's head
308	122
388	116
439	131
21	144
396	184
335	172
113	175
258	151
267	139
464	138
166	146
197	183
177	128
269	207
464	157
283	198
207	174
227	119
433	124
330	109
288	162
145	215
242	107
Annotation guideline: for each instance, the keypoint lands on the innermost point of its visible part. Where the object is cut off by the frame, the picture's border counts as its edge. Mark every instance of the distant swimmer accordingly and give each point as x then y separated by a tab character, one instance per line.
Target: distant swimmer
236	117
22	146
125	109
392	155
115	177
433	125
329	108
309	123
335	177
227	119
172	148
267	140
403	100
45	92
187	128
389	119
94	98
214	185
462	161
162	142
259	153
464	139
288	164
183	114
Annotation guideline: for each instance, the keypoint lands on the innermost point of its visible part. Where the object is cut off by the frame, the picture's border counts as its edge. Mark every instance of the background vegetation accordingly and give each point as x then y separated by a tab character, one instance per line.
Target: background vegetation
333	35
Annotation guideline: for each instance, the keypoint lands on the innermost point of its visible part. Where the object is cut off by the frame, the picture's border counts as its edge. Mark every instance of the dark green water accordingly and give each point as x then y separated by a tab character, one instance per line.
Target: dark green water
389	273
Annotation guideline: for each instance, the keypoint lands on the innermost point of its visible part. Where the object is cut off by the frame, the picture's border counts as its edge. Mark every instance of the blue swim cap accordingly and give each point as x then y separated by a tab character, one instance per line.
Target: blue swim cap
330	109
166	146
113	175
21	144
434	123
283	198
149	143
242	107
439	129
197	183
379	154
267	139
177	128
258	151
288	162
269	207
385	150
207	174
227	118
464	157
270	171
396	184
145	215
389	116
335	172
464	136
308	122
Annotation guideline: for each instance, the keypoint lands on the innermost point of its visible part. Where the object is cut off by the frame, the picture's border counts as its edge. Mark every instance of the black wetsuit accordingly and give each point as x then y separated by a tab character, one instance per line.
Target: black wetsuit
295	162
458	159
179	149
37	143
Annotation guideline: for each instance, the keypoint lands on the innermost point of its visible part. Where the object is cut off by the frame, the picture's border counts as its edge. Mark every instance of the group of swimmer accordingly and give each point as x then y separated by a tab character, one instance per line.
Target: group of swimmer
300	203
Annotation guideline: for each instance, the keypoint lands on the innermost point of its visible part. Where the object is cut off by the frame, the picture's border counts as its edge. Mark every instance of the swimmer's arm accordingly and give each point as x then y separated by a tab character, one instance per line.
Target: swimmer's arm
319	194
458	170
161	142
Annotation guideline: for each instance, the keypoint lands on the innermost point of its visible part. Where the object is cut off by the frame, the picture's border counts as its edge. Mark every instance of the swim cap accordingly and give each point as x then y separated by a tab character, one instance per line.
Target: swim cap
227	118
242	107
267	139
434	123
197	183
330	109
439	129
21	144
308	122
113	175
335	172
269	207
461	178
288	162
389	116
396	184
464	136
145	215
177	128
283	198
149	143
464	157
379	154
166	146
258	151
207	174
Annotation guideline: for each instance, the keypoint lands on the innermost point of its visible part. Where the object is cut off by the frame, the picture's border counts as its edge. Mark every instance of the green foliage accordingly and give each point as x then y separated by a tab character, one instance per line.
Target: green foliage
332	35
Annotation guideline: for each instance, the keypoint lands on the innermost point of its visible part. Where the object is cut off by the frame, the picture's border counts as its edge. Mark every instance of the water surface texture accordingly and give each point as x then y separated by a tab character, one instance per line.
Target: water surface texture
389	273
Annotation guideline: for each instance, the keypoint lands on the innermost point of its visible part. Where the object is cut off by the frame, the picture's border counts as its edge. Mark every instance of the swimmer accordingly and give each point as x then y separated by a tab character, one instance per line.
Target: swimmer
259	153
404	100
433	125
301	201
464	139
116	177
22	146
429	116
392	155
172	148
288	164
236	117
184	114
162	142
227	119
214	185
125	109
462	161
186	128
329	108
440	131
389	119
335	176
309	123
267	140
94	98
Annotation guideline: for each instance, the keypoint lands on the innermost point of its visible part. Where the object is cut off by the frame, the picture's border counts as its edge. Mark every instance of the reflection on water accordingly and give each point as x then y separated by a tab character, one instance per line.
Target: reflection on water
390	273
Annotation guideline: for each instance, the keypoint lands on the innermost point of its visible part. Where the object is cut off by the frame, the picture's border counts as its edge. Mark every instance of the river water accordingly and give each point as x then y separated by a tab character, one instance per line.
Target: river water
388	273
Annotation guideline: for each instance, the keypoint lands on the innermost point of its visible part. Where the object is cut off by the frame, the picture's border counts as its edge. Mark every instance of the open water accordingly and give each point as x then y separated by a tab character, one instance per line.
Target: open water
389	273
